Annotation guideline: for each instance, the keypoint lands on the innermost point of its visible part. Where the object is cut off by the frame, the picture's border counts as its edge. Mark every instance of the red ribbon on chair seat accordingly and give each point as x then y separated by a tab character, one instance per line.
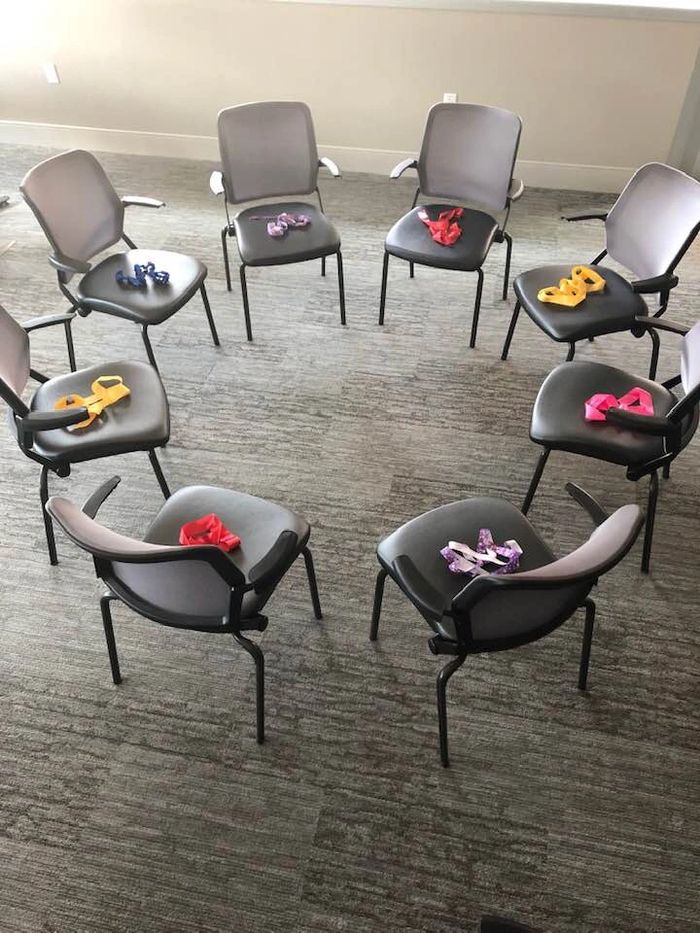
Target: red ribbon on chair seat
209	530
637	400
443	230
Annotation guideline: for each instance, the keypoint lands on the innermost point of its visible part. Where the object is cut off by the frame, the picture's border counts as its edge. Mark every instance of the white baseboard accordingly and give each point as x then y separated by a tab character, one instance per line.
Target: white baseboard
608	178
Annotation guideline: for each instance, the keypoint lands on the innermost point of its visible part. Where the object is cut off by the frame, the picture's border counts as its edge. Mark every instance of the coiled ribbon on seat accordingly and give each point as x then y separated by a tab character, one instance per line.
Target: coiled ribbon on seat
278	224
209	530
637	400
463	559
572	291
106	390
138	279
444	230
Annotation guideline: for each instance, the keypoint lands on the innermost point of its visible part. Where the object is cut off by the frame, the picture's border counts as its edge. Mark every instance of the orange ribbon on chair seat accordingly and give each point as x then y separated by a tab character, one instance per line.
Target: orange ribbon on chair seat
106	390
571	292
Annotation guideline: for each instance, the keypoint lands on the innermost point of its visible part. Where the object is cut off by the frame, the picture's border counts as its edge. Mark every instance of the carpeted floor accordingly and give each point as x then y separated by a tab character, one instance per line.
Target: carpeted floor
149	807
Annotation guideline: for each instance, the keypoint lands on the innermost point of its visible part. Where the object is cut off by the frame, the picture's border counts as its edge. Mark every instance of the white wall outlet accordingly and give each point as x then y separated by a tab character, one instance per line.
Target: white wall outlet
51	73
449	97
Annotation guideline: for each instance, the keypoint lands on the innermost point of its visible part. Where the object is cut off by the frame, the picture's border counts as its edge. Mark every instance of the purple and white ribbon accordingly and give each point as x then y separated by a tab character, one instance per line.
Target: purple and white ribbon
278	224
486	558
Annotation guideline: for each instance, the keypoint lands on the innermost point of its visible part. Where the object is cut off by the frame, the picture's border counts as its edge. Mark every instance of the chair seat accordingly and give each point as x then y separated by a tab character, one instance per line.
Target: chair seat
258	248
141	421
607	312
257	522
151	303
410	239
558	420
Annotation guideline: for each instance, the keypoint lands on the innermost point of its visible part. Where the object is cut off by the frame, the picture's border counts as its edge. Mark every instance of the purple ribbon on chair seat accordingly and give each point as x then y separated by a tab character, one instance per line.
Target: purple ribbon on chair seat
498	558
138	279
278	224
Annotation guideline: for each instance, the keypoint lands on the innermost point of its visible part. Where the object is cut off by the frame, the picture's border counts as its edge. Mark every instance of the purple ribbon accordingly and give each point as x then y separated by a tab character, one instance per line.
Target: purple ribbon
499	558
278	224
138	279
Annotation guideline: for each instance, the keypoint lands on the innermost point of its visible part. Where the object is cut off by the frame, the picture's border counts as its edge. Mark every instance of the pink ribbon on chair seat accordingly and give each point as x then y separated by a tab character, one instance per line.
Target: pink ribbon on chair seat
637	400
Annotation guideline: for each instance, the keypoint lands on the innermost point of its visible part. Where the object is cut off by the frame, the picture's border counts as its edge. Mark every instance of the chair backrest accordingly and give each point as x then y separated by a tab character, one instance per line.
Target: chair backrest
520	607
75	203
169	584
14	362
468	153
654	220
268	149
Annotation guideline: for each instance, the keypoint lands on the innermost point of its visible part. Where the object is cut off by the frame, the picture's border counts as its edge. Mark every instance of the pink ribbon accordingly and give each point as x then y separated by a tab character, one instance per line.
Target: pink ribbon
637	400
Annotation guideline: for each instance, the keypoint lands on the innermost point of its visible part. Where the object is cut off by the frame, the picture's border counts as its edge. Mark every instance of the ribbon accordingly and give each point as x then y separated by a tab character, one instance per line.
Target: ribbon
209	530
103	394
463	559
279	223
637	400
444	230
138	279
572	291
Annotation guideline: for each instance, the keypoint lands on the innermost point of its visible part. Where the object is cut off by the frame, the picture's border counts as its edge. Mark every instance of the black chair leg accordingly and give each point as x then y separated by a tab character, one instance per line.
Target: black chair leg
655	347
667	471
511	331
323	265
411	270
572	351
382	297
506	275
259	658
109	638
477	307
159	474
210	317
535	481
341	287
69	344
649	524
246	308
224	249
586	646
48	524
377	608
149	348
442	679
313	586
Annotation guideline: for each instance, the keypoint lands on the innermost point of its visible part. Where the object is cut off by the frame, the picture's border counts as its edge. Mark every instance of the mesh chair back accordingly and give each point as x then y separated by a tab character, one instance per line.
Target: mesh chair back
468	153
268	149
14	360
521	606
654	220
75	203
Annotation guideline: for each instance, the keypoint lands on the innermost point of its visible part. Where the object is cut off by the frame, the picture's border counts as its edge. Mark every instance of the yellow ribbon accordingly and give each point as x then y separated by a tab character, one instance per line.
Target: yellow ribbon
572	291
106	390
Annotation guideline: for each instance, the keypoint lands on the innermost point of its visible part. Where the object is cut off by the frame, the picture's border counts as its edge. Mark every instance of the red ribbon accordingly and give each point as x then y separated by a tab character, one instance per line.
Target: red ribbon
443	230
209	530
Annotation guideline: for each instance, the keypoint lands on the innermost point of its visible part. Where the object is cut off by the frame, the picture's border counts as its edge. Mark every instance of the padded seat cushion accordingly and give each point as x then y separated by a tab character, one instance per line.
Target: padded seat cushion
607	312
410	239
148	304
141	421
257	248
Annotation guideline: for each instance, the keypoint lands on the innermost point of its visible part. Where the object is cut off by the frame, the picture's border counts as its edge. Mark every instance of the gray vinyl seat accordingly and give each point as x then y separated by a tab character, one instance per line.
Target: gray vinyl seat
643	444
200	587
648	230
467	157
268	150
139	422
82	215
497	612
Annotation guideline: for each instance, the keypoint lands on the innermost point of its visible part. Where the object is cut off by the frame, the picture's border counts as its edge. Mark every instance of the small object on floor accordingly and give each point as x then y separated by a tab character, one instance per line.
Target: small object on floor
279	223
463	559
444	230
138	279
637	401
106	390
209	529
572	291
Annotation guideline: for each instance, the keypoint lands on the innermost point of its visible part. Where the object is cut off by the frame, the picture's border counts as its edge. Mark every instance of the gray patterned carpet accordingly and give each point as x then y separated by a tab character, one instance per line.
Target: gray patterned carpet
149	807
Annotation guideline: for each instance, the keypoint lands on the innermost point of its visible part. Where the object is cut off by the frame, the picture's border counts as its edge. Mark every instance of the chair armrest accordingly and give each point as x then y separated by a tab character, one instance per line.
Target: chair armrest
654	323
659	283
270	568
216	183
587	502
36	323
92	504
398	170
325	162
517	187
69	266
135	200
641	424
585	215
37	421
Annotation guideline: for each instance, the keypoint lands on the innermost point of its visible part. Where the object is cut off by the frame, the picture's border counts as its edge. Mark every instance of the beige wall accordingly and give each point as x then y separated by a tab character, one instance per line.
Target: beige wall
592	91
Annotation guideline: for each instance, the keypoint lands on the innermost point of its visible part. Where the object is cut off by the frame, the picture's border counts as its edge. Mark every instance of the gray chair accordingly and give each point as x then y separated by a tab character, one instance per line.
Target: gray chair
82	215
467	156
643	444
139	422
268	150
498	612
648	231
201	587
